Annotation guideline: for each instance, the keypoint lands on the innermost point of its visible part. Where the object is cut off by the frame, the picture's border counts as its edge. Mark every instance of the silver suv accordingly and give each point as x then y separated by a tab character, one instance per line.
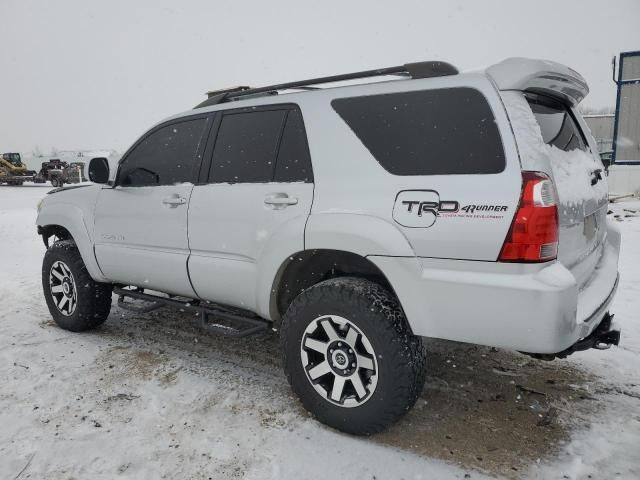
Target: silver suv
356	220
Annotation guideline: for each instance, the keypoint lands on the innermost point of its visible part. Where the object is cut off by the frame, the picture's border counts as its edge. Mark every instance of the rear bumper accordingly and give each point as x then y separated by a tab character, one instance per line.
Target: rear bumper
601	338
531	308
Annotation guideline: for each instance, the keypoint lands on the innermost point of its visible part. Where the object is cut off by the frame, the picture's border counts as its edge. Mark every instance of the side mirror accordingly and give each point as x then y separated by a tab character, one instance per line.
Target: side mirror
99	170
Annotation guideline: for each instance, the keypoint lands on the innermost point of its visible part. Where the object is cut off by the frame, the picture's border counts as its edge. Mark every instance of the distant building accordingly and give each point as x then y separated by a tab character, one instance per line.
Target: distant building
624	176
601	126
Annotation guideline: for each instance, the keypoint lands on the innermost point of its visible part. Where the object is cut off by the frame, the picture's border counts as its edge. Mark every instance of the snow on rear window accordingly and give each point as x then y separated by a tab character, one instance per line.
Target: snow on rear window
572	169
572	173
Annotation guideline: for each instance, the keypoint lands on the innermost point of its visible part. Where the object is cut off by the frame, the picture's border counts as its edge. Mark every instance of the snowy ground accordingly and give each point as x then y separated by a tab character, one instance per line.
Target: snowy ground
152	396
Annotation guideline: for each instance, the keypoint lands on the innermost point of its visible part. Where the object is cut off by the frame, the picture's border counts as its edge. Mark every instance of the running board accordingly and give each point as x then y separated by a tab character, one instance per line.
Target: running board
214	318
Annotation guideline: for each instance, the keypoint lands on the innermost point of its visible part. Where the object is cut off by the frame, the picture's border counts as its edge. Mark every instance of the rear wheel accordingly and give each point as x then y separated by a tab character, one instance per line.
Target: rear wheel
350	355
76	302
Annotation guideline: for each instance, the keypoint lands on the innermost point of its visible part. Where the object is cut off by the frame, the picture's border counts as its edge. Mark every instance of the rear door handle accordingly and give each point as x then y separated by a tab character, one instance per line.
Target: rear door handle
174	200
280	200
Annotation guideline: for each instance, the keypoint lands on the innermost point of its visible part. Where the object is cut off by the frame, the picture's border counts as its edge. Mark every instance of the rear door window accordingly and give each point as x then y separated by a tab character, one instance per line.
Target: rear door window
164	157
559	127
261	146
427	132
246	147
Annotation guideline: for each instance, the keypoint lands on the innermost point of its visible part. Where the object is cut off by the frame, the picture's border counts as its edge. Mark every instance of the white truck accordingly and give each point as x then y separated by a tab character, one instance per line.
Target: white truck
356	220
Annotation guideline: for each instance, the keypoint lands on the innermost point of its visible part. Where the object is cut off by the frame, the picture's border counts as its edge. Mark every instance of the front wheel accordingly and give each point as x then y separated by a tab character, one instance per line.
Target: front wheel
350	356
76	302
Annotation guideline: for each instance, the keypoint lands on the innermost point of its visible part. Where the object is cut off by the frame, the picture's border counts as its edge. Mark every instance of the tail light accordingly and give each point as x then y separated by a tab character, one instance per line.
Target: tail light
533	236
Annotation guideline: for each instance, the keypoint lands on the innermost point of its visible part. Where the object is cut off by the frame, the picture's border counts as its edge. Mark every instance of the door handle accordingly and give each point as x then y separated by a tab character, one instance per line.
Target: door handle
174	200
280	200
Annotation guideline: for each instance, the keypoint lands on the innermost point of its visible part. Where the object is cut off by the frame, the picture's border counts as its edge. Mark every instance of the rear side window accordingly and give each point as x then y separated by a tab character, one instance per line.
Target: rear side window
559	127
261	146
428	132
164	157
294	162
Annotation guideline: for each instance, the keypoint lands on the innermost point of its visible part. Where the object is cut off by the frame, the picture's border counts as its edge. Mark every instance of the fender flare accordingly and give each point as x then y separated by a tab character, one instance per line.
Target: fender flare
71	218
282	245
363	235
357	233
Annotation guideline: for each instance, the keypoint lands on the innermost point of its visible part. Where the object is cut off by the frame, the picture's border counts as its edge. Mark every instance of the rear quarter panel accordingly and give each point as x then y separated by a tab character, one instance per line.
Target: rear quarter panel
350	181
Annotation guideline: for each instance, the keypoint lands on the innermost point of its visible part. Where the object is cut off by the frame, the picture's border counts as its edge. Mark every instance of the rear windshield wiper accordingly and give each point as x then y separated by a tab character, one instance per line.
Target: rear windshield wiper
596	176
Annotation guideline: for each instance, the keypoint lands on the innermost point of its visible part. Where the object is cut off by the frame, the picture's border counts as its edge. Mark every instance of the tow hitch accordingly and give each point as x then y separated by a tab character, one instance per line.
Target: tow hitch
601	338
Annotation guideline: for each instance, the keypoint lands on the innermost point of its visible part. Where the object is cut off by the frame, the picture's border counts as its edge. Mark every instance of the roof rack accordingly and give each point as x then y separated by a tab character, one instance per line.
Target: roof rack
213	93
413	70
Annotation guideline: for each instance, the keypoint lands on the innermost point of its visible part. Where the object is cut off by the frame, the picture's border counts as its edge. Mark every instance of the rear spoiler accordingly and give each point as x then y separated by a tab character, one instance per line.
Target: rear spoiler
539	76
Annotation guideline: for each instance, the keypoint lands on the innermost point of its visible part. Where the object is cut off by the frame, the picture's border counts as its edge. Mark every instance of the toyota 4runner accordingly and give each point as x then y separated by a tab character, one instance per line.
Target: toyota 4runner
356	220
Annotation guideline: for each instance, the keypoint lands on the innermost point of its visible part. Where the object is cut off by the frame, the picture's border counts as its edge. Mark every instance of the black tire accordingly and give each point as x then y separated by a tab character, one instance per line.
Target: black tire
92	300
400	355
54	182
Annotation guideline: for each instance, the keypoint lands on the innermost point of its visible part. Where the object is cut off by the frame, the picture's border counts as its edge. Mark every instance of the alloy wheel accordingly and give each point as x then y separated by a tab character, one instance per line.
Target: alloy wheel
63	288
339	361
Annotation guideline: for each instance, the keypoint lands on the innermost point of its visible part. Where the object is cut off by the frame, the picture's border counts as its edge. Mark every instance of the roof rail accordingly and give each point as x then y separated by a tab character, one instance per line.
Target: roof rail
213	93
413	70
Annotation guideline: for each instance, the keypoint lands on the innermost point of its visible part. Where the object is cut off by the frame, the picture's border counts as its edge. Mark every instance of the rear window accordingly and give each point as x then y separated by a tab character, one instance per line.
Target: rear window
428	132
559	127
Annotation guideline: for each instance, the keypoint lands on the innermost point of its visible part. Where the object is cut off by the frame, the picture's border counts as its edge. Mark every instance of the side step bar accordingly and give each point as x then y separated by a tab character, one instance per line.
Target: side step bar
237	324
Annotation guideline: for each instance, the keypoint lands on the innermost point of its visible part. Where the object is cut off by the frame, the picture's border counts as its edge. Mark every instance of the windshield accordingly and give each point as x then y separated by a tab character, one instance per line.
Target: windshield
13	158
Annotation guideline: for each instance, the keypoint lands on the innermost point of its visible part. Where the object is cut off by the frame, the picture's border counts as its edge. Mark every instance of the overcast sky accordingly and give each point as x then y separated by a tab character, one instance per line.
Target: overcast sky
82	74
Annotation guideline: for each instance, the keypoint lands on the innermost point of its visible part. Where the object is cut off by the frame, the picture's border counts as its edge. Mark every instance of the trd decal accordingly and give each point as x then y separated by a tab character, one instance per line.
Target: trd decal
433	207
421	209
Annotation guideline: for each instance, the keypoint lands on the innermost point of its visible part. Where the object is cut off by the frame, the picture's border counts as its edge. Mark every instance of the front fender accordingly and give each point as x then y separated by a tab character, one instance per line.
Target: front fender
73	220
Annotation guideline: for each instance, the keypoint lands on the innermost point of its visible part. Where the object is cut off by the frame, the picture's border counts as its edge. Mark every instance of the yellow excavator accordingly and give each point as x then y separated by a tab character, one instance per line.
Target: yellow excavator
13	171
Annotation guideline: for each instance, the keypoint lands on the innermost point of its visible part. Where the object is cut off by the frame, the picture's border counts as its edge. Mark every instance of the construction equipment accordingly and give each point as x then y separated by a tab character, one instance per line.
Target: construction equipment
58	172
13	171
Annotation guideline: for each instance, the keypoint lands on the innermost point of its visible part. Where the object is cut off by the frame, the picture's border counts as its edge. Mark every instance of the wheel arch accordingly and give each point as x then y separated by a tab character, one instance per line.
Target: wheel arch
336	244
307	268
68	220
48	231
